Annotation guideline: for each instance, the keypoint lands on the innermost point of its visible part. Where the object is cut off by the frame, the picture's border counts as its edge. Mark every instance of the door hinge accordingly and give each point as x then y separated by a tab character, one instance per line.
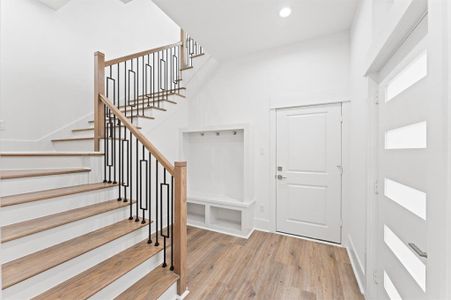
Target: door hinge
340	169
376	187
376	278
376	100
341	119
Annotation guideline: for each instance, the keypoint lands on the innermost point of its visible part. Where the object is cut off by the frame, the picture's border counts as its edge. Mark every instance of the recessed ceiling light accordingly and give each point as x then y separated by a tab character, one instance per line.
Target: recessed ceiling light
285	12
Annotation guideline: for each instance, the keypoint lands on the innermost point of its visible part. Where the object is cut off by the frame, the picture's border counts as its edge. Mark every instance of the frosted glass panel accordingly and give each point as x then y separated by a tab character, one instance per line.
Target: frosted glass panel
408	197
390	288
410	261
412	136
412	73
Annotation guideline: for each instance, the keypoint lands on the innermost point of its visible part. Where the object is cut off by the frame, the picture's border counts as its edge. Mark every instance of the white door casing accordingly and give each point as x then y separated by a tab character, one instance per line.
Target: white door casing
309	172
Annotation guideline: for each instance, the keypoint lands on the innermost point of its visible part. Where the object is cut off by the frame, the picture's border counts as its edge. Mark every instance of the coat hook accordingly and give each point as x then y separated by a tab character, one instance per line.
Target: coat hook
202	134
217	133
234	133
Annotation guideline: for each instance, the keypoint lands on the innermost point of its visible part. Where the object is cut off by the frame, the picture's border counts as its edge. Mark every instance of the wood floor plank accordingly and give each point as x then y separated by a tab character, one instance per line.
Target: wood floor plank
14	174
52	193
151	286
21	229
25	267
96	278
267	266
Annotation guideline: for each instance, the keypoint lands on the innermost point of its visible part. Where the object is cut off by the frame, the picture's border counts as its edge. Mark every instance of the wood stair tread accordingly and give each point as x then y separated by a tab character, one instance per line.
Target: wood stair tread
151	286
197	55
28	266
13	174
186	68
52	193
50	153
25	228
75	139
89	282
92	128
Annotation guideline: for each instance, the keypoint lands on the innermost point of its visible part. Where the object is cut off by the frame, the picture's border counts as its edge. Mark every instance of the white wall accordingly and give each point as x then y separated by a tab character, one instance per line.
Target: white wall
355	183
47	57
243	90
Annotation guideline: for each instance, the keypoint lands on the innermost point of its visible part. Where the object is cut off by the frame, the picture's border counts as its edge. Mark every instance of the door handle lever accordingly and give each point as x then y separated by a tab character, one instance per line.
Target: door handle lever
280	177
418	250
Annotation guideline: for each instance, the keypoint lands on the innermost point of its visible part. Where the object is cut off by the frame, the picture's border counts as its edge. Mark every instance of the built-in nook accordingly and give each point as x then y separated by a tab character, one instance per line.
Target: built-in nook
219	179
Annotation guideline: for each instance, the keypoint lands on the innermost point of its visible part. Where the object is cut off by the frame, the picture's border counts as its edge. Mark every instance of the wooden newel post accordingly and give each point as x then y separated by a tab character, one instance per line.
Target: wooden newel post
99	88
180	231
183	47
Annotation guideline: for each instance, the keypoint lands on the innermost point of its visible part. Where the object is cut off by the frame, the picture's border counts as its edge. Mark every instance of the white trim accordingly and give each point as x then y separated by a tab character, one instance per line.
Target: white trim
395	32
184	295
309	239
49	134
221	231
355	261
262	224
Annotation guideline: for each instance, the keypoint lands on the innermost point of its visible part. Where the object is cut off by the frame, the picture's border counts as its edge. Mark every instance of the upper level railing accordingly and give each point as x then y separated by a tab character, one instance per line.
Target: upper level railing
124	89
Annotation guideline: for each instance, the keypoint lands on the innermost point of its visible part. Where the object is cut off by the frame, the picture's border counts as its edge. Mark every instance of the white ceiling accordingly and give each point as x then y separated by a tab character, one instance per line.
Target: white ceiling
57	4
234	27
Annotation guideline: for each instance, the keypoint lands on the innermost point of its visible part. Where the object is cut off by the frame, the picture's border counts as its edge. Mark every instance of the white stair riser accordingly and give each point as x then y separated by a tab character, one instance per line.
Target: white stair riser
170	293
120	285
41	240
51	162
78	145
82	133
36	209
40	183
50	278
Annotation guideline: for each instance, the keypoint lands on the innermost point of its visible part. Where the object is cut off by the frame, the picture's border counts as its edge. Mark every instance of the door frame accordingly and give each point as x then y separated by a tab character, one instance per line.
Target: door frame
271	224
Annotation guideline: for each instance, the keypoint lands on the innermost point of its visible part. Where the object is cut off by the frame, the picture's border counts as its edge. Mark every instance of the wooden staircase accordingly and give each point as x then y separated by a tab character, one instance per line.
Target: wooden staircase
73	224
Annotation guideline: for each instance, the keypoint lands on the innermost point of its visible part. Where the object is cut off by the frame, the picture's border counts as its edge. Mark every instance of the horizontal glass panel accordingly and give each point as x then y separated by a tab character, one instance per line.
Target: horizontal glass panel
416	70
412	136
390	288
406	196
408	259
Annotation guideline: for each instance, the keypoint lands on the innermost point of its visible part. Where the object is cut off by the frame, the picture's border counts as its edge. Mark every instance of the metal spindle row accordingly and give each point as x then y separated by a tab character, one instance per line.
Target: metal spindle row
192	49
134	86
142	182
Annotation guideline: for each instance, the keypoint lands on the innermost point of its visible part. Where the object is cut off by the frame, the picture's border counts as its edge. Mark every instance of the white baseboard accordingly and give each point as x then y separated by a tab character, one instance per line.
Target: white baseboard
262	224
357	267
221	231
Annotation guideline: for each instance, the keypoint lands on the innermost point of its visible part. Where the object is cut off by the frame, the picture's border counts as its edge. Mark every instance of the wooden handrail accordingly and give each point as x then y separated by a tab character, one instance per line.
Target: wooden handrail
147	144
139	54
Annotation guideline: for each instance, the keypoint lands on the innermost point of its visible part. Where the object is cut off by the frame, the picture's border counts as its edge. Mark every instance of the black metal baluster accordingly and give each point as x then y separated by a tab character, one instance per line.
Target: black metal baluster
144	200
138	182
149	198
172	223
105	150
156	202
130	183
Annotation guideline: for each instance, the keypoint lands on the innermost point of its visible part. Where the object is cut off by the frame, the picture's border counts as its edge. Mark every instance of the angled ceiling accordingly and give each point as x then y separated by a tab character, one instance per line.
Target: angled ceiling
230	28
57	4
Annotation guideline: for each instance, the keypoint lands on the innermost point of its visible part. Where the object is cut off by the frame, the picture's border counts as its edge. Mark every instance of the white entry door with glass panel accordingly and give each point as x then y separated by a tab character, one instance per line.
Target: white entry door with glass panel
402	221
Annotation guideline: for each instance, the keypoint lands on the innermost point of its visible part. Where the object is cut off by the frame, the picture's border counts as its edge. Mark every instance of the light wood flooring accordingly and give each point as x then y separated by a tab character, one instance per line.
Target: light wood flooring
266	266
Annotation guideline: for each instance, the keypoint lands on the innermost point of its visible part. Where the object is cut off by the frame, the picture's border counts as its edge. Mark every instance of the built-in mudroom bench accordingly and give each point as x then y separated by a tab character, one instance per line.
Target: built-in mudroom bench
219	180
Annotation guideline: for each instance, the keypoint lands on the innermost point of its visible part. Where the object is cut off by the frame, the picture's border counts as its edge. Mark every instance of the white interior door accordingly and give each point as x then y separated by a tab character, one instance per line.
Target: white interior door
309	172
407	163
